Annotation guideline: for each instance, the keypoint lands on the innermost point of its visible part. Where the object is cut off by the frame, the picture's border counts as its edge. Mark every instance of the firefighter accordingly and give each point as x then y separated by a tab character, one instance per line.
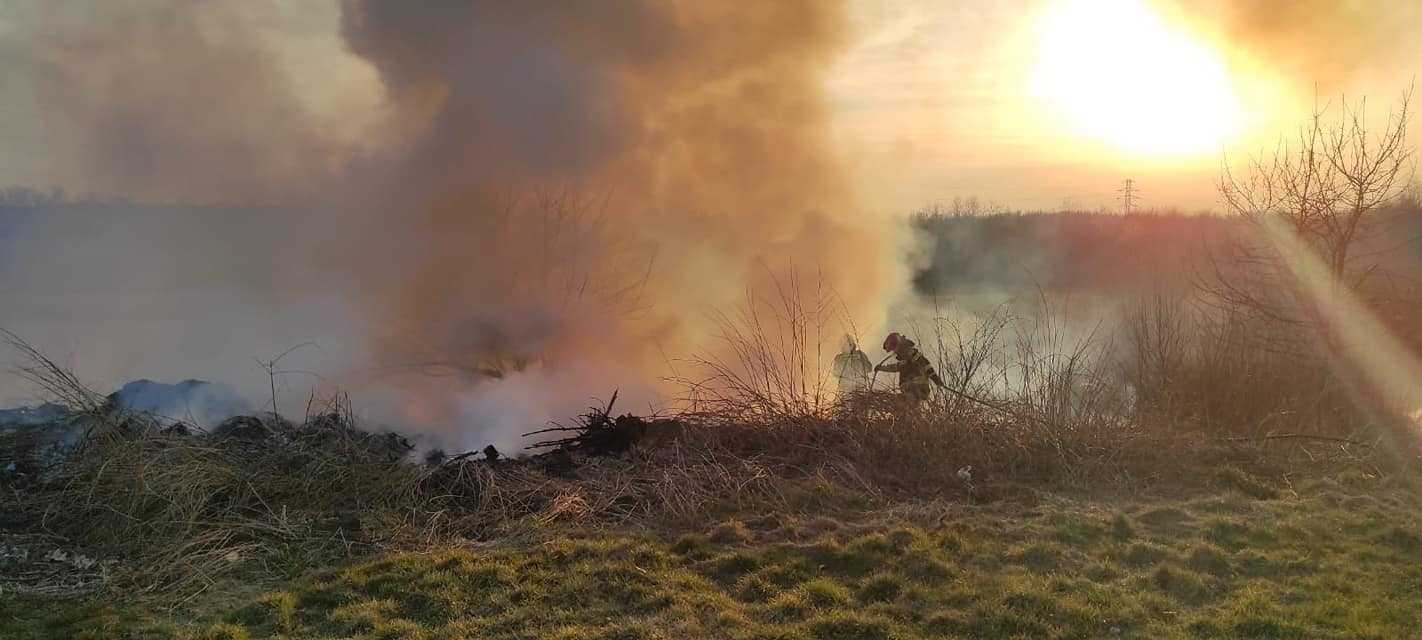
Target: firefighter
852	368
915	371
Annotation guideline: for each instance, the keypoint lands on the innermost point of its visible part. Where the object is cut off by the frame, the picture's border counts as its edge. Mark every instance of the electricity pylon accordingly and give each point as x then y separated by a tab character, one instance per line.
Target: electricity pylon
1129	195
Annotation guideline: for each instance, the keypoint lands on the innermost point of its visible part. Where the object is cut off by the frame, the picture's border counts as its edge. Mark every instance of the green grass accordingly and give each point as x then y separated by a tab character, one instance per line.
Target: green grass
1326	560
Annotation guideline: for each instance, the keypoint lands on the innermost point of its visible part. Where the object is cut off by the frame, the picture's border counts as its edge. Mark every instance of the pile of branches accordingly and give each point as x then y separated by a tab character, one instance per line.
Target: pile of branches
470	477
173	508
594	433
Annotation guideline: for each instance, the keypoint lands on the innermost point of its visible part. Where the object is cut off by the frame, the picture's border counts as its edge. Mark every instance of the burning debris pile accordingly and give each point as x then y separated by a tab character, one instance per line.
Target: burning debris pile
595	433
166	505
34	441
189	401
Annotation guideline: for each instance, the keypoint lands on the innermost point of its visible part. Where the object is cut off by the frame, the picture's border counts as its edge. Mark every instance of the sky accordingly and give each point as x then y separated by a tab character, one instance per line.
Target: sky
1051	103
1046	103
587	188
1025	103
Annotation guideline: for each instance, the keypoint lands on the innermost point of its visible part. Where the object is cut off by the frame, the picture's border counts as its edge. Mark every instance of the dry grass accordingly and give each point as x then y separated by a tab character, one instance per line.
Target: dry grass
183	512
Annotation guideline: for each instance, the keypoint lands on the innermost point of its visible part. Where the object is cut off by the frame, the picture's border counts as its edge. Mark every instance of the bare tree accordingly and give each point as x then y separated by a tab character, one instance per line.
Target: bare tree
1330	184
1327	187
1324	193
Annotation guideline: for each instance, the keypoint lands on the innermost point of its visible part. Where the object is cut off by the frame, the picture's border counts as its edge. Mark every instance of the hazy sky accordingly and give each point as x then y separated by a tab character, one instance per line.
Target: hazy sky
1030	103
1036	102
744	136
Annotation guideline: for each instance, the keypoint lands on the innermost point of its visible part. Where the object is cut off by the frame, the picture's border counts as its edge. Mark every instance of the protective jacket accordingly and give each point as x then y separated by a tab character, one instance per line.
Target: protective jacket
915	371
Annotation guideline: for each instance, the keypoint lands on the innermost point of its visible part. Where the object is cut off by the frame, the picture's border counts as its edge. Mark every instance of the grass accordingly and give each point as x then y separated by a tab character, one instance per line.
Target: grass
755	517
1337	557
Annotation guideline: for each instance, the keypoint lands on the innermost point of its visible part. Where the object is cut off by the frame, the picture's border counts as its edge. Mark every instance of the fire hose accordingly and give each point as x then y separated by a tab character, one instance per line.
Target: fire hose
874	378
961	394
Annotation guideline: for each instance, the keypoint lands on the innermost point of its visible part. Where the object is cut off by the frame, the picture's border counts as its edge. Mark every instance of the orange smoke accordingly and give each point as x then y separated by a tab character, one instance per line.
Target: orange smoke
1321	44
589	181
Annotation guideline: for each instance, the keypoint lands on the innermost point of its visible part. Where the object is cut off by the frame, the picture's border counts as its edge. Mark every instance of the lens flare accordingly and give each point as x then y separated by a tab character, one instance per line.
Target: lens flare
1388	372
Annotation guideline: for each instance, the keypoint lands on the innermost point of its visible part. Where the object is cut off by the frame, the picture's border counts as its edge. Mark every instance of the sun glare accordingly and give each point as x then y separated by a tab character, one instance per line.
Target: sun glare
1118	72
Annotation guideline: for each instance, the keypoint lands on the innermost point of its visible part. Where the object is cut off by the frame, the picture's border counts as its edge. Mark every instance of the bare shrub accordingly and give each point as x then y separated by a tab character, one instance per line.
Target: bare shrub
1210	368
1269	331
49	377
1328	188
1060	377
970	356
1329	185
769	361
1027	398
1160	336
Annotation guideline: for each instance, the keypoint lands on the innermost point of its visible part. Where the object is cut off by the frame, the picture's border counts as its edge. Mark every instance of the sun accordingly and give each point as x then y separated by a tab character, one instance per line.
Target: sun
1118	72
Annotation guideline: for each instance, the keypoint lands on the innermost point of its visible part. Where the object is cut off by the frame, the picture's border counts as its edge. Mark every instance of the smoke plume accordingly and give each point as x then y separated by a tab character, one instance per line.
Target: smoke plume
542	201
586	182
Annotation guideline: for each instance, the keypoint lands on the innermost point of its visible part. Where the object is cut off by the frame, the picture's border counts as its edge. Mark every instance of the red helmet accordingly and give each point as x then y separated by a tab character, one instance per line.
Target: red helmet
891	343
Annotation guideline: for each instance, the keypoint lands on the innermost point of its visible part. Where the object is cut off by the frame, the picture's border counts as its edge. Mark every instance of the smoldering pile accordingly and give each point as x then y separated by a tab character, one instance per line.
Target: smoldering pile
592	435
35	440
167	504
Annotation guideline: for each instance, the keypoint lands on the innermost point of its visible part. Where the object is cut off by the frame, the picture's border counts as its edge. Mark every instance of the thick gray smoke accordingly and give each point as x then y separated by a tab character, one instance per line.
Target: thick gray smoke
555	198
204	404
662	156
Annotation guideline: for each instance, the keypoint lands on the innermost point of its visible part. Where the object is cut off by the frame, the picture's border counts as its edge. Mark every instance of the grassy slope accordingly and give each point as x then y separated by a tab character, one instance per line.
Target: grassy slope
1338	557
